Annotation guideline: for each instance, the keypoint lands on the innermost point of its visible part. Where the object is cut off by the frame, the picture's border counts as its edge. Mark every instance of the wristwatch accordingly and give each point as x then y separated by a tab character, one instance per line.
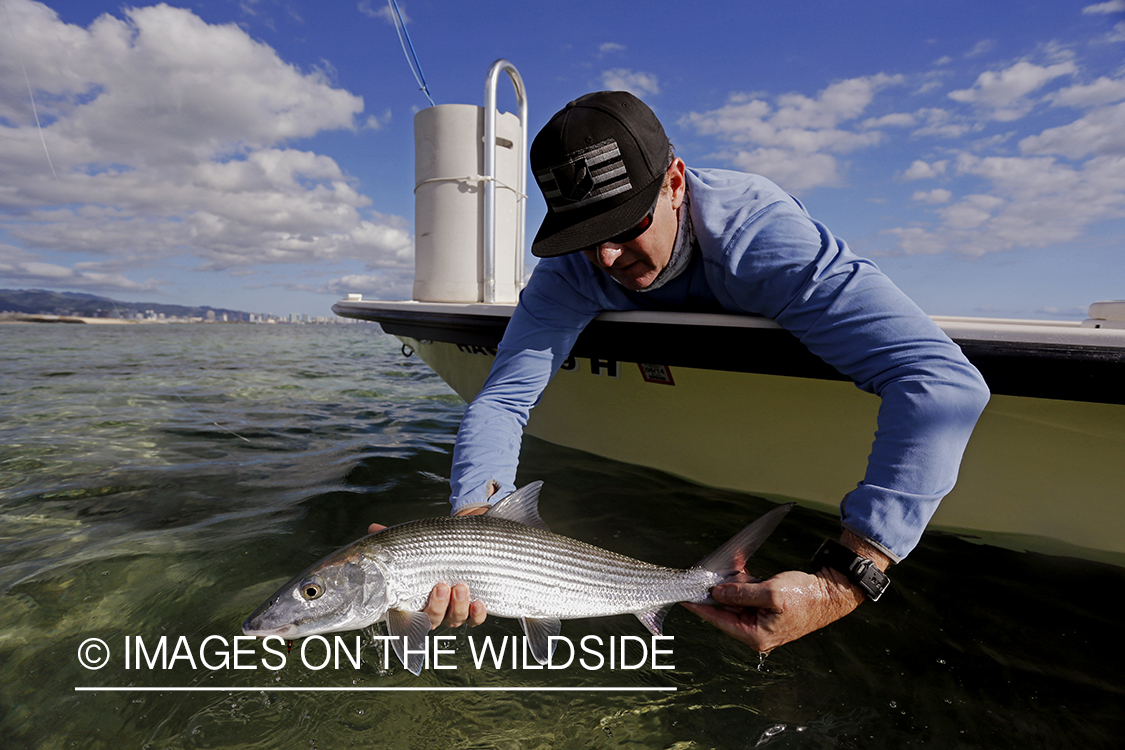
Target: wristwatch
859	570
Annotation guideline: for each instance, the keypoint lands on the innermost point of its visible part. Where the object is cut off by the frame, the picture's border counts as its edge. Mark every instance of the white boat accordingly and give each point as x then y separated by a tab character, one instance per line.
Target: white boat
737	402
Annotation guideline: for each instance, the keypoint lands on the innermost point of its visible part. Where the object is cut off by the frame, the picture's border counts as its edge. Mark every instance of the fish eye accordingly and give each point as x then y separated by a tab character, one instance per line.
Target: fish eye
312	589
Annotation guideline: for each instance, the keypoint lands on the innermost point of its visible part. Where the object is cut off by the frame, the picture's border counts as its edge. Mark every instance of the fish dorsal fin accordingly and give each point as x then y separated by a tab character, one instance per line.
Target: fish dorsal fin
539	632
413	627
522	506
730	559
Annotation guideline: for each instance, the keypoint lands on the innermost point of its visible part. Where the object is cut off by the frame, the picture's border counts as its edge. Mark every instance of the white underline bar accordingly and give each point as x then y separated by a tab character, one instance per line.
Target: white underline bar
278	689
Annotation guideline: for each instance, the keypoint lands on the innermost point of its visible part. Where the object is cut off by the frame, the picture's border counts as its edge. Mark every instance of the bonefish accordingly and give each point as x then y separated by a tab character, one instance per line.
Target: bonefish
511	562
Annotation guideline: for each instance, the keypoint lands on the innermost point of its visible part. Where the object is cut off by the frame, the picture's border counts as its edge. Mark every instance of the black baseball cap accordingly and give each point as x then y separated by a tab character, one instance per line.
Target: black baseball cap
600	163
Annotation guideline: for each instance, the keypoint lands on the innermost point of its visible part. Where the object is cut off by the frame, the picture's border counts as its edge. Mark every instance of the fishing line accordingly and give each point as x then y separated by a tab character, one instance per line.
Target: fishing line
30	92
411	56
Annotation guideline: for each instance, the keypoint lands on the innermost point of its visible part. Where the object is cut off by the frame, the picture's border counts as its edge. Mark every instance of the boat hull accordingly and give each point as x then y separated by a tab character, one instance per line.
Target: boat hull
1036	472
1041	472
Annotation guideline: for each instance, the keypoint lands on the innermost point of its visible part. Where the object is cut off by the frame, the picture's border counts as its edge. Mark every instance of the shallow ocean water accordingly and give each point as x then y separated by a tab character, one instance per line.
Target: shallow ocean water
162	481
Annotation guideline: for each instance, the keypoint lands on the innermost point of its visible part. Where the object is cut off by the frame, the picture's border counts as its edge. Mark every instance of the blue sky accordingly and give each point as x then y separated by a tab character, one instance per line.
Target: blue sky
258	155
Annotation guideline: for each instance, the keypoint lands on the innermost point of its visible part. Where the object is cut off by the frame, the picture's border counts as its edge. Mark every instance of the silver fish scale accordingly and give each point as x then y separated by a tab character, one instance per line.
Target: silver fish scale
523	571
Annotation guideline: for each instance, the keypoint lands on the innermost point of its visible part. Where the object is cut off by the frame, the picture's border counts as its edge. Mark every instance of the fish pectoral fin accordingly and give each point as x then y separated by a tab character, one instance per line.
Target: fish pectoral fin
522	506
654	619
408	632
539	632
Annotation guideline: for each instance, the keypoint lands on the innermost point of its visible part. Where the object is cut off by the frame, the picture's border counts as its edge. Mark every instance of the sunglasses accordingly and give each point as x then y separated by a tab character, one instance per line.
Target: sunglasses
629	234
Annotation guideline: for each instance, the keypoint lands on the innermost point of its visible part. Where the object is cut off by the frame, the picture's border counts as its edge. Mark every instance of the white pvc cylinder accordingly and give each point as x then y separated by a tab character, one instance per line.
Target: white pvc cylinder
449	204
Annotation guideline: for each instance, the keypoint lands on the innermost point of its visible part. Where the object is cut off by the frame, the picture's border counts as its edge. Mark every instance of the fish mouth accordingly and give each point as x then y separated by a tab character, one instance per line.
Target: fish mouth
250	628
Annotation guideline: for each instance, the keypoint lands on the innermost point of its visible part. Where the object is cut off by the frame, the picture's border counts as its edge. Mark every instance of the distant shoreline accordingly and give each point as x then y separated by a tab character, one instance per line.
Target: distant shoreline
78	319
64	319
14	317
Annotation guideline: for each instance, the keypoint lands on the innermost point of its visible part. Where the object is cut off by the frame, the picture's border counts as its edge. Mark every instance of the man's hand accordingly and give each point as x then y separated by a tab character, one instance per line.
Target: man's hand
450	604
781	609
792	604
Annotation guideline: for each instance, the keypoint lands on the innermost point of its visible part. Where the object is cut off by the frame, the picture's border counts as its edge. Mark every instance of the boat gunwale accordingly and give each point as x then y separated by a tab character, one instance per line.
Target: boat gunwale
1069	361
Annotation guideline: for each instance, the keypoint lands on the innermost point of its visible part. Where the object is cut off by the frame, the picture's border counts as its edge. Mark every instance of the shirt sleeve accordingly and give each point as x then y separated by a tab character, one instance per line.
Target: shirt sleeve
534	347
782	264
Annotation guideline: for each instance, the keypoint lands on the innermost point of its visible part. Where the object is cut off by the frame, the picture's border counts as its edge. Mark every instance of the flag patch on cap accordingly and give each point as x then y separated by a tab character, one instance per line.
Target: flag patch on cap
587	176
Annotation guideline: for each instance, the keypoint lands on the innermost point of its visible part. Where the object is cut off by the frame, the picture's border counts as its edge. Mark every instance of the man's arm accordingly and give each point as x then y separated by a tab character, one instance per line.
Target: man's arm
770	258
780	263
544	326
853	317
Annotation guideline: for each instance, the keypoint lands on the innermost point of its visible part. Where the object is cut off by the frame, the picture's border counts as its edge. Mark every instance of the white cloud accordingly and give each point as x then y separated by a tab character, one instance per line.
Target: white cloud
1112	6
896	120
635	82
983	47
1067	176
378	122
927	86
610	47
168	136
1102	91
918	240
1031	202
796	172
22	268
842	101
971	212
921	170
937	195
1062	181
1099	132
383	285
383	12
1005	92
941	123
796	139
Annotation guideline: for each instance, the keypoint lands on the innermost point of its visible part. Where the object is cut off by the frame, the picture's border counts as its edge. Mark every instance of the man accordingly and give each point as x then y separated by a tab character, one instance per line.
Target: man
630	227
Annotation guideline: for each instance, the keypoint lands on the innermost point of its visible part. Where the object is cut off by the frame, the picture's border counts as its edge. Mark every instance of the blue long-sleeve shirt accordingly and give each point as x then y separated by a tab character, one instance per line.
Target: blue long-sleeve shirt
759	253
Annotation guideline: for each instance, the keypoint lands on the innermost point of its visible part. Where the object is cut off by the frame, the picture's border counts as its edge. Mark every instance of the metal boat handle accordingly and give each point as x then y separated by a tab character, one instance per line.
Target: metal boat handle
490	176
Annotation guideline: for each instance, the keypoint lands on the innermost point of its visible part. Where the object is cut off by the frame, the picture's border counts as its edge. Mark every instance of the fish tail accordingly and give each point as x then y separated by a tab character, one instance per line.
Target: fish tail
729	560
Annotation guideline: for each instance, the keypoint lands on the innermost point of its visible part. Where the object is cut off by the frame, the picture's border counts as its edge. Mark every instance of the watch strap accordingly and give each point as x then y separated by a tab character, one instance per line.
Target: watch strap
859	570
